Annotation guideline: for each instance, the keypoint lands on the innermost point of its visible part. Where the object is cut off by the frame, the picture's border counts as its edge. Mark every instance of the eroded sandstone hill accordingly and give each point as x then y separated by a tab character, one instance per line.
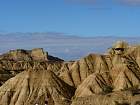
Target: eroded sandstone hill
16	61
33	77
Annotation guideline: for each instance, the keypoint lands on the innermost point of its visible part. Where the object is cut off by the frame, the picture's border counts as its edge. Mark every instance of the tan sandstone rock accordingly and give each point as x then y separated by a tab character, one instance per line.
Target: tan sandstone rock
111	79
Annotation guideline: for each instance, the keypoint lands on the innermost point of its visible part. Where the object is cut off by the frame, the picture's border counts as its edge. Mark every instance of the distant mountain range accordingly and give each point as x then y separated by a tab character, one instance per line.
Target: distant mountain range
67	47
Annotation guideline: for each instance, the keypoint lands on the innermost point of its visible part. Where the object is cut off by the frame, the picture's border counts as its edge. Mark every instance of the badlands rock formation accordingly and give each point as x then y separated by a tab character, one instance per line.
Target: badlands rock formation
16	61
36	54
34	77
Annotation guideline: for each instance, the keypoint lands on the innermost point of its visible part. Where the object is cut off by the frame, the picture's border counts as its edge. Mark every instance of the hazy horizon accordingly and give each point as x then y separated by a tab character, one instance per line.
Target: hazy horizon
67	47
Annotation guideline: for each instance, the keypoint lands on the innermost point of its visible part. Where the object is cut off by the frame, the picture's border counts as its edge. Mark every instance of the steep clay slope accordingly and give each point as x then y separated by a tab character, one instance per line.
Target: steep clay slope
81	69
35	87
12	68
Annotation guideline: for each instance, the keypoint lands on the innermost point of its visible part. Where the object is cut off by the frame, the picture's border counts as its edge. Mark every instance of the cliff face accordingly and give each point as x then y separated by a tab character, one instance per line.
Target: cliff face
36	54
111	79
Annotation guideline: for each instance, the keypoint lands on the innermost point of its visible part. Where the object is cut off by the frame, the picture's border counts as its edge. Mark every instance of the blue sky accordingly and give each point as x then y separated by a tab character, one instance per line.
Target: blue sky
74	17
